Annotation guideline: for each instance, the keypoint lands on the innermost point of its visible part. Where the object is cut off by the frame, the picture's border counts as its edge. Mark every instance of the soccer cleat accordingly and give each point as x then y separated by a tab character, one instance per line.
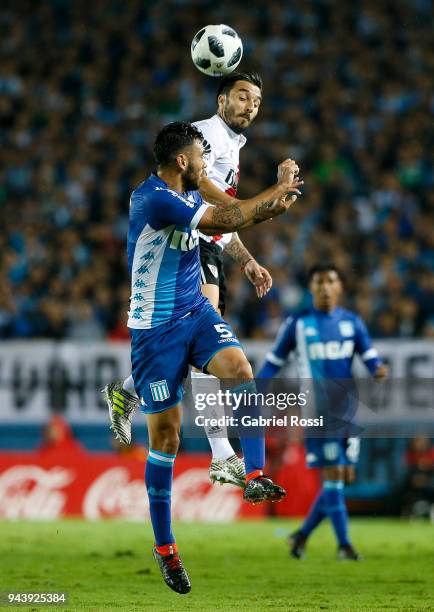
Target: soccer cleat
348	553
121	406
297	545
231	471
262	488
172	570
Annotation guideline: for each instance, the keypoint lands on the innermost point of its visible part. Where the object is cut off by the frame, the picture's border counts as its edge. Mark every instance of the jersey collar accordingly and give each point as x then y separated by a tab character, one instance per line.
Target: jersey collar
156	179
323	313
232	135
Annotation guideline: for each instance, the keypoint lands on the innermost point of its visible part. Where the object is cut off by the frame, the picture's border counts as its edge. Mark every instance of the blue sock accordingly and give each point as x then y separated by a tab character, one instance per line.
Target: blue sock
315	516
252	438
334	506
158	478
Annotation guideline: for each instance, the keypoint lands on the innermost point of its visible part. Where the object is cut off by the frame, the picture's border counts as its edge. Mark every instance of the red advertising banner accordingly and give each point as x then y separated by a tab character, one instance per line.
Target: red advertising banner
54	484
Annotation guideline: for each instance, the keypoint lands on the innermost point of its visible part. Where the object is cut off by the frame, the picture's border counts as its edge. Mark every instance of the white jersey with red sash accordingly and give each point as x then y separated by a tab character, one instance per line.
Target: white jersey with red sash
222	149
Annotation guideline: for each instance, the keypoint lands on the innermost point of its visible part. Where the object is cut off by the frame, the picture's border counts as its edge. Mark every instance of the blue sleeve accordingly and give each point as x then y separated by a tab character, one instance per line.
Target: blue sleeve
363	346
166	207
277	357
268	370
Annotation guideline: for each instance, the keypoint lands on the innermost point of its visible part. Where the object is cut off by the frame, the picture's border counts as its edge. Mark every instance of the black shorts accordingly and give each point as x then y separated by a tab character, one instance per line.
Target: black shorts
212	273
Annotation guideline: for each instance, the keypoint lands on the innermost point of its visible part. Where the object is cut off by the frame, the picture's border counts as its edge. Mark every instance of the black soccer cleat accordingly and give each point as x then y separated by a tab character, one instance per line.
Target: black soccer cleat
173	572
347	553
262	488
297	545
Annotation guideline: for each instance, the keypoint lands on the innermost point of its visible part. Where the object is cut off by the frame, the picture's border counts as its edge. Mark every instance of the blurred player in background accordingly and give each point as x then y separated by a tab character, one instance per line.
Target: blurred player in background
239	97
173	325
325	339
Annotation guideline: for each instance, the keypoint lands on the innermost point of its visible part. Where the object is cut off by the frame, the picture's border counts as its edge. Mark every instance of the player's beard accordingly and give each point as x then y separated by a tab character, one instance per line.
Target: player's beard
231	118
190	180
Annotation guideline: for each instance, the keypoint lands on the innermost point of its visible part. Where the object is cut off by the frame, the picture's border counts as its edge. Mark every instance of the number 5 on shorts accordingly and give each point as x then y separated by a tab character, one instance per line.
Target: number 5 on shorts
222	329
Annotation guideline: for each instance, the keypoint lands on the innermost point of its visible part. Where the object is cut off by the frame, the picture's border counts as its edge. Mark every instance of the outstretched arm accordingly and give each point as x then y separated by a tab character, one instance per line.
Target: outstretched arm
277	357
270	203
212	194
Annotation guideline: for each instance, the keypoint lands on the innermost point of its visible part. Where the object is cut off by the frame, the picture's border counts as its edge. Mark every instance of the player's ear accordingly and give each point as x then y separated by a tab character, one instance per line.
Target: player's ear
182	161
221	99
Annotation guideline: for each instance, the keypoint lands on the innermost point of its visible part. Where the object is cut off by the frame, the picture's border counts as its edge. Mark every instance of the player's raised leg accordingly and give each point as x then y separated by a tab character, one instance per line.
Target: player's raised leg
226	466
231	364
163	429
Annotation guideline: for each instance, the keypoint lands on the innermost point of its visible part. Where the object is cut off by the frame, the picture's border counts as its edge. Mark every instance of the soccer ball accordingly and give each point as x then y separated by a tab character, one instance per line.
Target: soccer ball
216	50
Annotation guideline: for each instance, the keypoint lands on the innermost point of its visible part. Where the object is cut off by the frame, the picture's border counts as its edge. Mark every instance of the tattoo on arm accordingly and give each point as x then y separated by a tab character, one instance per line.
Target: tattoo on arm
227	216
261	212
238	251
231	218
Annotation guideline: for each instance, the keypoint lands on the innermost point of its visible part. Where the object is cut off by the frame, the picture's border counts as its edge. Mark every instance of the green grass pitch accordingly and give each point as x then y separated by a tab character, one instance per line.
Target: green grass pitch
239	566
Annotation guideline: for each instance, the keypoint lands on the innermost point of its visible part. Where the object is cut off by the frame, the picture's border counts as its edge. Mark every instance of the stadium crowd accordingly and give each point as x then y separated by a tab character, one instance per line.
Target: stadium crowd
347	93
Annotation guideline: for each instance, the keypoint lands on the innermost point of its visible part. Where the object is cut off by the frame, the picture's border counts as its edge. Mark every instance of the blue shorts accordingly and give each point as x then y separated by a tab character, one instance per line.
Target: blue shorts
329	452
160	356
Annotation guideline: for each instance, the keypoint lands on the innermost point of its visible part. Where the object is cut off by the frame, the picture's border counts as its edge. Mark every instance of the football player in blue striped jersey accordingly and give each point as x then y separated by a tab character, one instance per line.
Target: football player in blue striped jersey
324	339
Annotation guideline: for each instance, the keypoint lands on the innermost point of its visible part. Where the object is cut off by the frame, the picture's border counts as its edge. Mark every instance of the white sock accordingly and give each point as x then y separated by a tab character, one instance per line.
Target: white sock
217	437
128	386
221	448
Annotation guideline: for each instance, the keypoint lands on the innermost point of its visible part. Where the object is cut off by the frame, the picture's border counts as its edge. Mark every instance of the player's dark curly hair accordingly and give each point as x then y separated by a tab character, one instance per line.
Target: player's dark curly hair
324	267
229	81
172	139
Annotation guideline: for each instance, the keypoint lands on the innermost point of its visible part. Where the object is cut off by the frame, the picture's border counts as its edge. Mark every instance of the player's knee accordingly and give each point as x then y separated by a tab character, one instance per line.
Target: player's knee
350	474
335	472
231	364
242	369
166	439
170	444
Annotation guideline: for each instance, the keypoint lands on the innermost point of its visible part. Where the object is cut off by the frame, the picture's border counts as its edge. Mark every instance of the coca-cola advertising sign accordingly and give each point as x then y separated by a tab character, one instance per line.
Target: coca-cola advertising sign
30	491
98	486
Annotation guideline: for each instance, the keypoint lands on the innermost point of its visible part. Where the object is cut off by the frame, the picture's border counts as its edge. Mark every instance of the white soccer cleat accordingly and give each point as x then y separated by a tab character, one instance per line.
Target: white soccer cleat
229	471
121	405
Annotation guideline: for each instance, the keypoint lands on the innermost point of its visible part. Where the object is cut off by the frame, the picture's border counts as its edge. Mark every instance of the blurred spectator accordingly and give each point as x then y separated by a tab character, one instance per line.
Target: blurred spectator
58	437
84	324
418	494
347	92
134	451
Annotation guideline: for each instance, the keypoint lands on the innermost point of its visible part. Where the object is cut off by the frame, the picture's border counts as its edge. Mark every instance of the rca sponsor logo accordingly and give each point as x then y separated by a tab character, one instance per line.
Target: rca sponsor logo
331	350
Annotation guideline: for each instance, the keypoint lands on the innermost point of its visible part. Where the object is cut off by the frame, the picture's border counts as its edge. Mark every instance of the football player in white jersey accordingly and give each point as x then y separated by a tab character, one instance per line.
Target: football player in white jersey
238	100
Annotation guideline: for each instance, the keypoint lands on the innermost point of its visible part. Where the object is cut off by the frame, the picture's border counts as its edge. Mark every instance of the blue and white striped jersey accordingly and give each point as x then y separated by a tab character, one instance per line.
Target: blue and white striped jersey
163	253
324	345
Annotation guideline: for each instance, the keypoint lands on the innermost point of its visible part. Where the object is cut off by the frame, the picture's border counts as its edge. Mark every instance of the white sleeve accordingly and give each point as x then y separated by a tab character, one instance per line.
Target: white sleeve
198	216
